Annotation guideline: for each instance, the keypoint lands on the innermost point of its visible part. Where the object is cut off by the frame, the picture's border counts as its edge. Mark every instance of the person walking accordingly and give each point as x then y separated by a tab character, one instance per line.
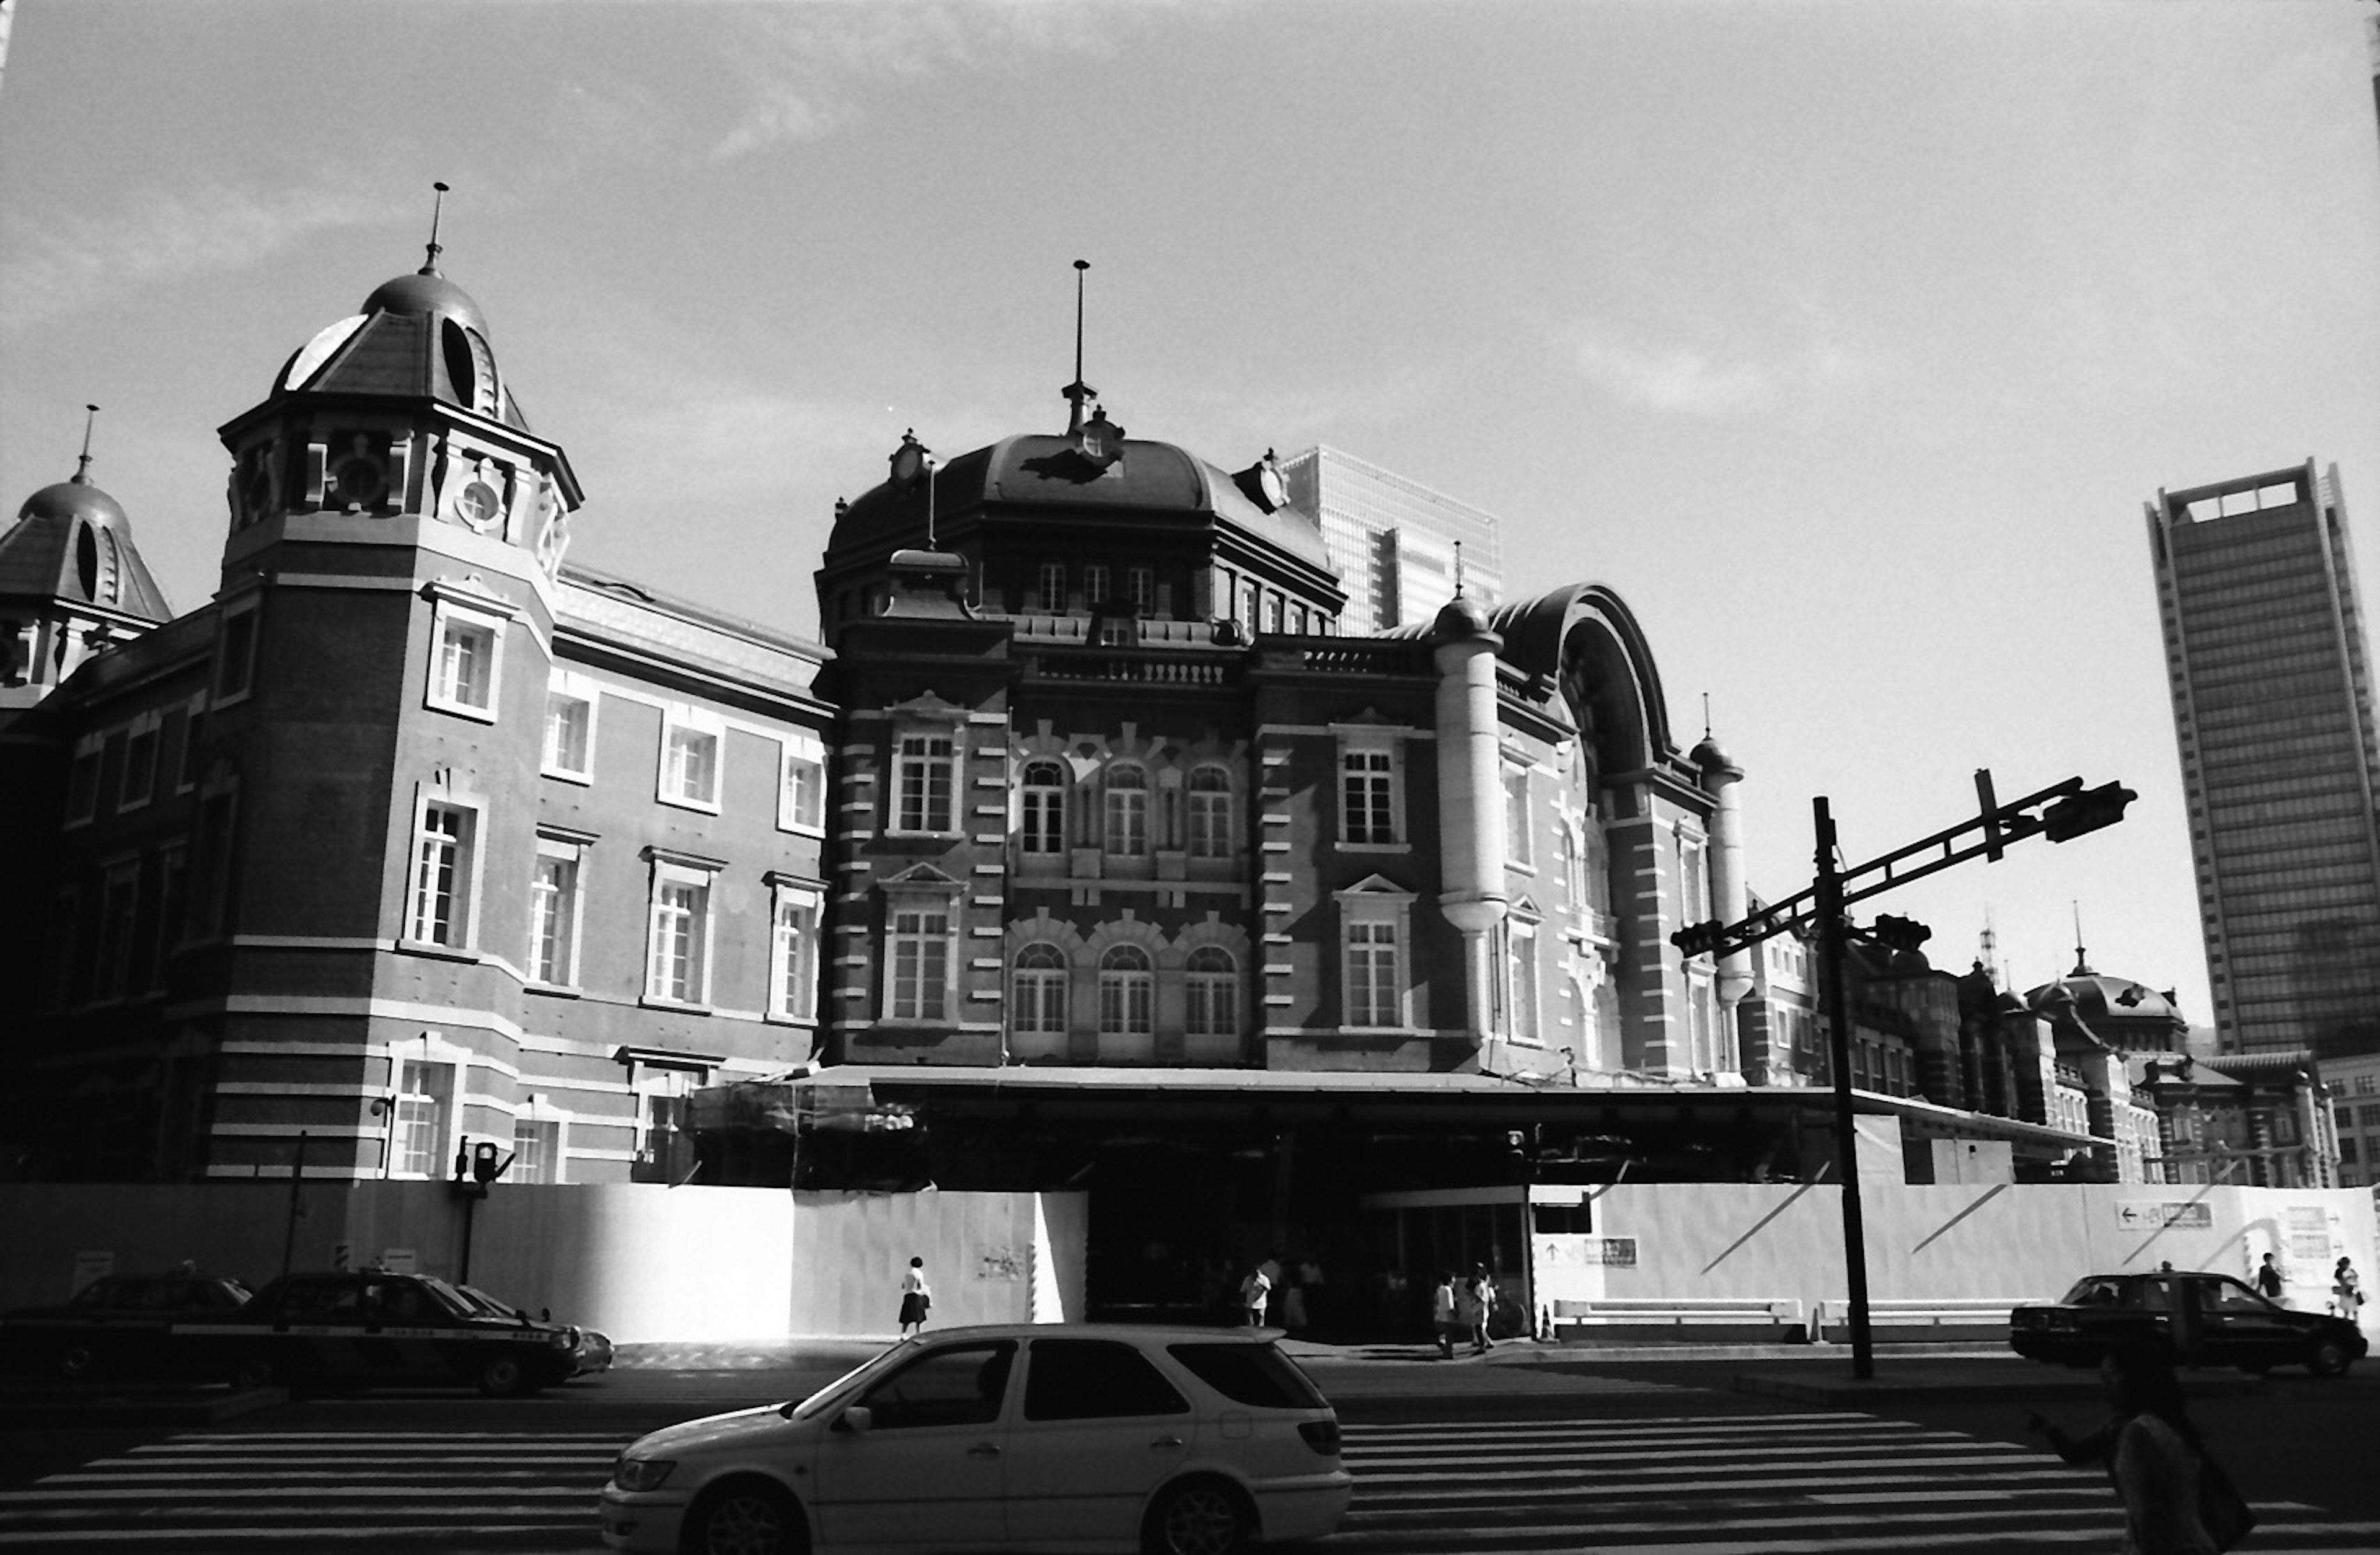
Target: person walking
1482	1307
1441	1313
917	1298
2347	1291
2268	1279
2153	1453
1255	1294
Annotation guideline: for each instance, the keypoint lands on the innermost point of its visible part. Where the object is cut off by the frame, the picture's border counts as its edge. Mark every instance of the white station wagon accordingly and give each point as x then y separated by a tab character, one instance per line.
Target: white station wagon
1044	1436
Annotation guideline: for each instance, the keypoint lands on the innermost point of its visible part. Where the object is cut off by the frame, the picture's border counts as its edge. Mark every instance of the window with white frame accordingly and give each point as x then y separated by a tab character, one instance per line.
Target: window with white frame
918	962
1140	588
1052	585
445	836
1375	978
537	1149
1276	613
801	786
235	652
1368	795
1126	786
692	742
140	785
1575	871
925	781
463	667
1251	605
1212	984
1517	817
553	914
1044	798
1128	992
1210	812
193	750
677	941
425	1095
1095	584
82	779
570	702
1037	989
1527	1020
793	954
1693	878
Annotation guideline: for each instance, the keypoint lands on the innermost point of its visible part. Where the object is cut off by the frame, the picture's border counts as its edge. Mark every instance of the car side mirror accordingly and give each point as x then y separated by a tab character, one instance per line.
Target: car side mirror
858	1418
545	1313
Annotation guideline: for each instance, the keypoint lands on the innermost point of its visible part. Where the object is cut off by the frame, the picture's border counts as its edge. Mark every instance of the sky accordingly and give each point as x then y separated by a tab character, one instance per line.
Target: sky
1844	341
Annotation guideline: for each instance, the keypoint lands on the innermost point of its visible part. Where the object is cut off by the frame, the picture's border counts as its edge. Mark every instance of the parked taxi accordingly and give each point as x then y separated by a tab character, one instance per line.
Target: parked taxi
1081	1437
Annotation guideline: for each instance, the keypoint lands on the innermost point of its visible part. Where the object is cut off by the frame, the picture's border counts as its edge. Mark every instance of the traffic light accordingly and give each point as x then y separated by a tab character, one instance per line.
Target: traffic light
1698	939
1899	933
2086	812
485	1168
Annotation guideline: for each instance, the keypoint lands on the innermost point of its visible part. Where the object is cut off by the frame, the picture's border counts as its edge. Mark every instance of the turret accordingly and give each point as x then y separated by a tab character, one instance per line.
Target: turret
1471	826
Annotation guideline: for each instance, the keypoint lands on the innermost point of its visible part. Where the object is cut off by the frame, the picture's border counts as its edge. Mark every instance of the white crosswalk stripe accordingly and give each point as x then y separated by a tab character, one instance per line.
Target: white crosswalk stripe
324	1490
1780	1484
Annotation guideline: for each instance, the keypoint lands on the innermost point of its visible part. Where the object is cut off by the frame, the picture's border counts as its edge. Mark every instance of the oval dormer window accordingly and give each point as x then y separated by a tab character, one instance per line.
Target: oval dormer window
470	366
86	561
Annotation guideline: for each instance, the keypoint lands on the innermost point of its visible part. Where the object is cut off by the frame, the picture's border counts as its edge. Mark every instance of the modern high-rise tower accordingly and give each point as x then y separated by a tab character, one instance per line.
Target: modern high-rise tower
1393	540
2272	710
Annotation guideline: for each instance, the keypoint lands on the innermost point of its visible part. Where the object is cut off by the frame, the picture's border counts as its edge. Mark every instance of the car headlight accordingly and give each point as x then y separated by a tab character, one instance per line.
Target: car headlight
641	1473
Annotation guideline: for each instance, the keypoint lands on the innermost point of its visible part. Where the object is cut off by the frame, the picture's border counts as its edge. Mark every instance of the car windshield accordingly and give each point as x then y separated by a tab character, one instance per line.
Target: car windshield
454	1300
869	1367
1256	1375
484	1302
2097	1290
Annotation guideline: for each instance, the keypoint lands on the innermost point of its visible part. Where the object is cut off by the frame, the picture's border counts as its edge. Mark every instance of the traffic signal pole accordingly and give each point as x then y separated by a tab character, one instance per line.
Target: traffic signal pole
1832	933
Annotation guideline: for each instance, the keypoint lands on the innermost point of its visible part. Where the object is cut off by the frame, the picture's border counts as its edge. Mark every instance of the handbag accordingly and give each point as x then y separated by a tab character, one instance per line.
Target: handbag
2223	1511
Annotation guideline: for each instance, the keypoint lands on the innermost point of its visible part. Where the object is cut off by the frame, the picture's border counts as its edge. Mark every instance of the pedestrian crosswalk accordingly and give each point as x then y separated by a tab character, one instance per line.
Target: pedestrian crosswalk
398	1489
1780	1484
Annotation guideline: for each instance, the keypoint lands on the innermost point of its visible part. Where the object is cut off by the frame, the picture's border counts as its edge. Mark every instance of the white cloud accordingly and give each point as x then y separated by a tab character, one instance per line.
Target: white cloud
83	262
1697	381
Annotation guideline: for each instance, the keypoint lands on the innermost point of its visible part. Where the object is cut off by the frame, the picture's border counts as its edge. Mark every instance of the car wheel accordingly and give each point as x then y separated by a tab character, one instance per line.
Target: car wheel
501	1376
2327	1357
76	1360
253	1370
1203	1517
745	1517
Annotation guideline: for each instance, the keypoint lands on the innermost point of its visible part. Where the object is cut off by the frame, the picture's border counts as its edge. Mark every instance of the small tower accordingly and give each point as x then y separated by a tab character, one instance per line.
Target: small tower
71	583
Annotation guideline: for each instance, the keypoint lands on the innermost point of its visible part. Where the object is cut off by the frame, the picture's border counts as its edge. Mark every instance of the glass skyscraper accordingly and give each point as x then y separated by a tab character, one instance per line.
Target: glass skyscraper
2272	710
1392	539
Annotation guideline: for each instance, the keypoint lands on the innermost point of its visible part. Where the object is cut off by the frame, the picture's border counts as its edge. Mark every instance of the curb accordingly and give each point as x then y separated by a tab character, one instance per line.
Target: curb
1920	1388
22	1411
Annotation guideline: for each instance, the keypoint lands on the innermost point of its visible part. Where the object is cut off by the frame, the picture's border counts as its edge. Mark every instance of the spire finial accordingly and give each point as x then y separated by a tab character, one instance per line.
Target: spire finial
437	209
1707	734
82	464
2082	962
1458	569
931	542
1078	392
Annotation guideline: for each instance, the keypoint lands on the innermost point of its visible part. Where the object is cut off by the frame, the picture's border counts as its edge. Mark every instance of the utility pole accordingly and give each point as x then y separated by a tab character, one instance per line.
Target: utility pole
296	1203
1833	933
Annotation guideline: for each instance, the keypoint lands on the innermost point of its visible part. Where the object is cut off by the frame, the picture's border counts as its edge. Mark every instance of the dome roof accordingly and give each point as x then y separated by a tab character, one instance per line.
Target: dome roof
1462	619
1046	470
2099	999
425	291
1711	756
72	542
417	336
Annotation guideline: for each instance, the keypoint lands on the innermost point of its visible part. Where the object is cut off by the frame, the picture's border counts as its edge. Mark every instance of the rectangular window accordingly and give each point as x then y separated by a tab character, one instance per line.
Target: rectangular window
235	654
1367	796
440	897
139	783
424	1097
919	965
82	780
1251	601
1044	791
1373	995
211	897
118	904
570	728
1516	816
1095	584
793	958
463	673
173	910
801	790
924	779
1140	587
537	1150
1526	1020
690	746
1053	581
678	969
192	750
553	916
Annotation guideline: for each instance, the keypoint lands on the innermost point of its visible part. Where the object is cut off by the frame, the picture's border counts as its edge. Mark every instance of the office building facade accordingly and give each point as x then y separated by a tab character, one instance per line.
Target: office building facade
2272	704
1392	542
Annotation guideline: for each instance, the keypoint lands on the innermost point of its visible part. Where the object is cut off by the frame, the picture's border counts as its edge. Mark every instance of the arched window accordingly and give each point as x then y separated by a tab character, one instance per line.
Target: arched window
1214	988
1211	813
1128	992
1039	989
1045	807
1127	788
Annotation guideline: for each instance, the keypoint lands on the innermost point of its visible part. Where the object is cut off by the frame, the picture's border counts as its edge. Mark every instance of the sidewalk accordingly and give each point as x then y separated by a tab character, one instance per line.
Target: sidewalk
41	1403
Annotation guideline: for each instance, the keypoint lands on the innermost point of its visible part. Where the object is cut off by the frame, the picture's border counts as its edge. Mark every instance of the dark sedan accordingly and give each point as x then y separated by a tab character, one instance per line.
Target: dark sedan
118	1322
355	1329
2205	1319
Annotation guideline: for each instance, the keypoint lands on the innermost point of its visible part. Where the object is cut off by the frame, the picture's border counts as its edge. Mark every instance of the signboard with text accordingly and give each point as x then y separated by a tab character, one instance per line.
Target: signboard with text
2155	1214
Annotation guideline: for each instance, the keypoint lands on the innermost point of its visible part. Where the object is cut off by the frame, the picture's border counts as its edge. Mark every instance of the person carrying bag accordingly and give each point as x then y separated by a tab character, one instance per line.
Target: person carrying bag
2176	1500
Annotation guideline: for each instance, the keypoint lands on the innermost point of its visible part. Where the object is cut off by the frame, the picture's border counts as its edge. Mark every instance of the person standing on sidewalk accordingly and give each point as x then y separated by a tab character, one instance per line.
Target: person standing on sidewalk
917	1298
2348	1292
1482	1307
1255	1294
2268	1279
1441	1313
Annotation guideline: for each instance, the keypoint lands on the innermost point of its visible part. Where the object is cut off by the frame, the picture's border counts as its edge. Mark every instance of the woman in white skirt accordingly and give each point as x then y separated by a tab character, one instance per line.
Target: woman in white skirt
917	1298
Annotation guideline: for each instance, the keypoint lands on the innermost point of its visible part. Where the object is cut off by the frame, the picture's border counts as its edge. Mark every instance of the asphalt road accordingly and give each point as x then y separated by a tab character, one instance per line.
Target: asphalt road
1523	1451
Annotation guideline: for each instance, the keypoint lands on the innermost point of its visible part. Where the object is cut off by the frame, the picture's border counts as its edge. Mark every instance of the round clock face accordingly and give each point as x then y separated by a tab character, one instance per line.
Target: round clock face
478	506
1276	489
908	462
